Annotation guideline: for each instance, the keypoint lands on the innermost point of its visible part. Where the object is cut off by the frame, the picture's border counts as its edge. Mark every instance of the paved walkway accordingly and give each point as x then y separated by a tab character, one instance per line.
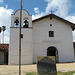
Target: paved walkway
13	69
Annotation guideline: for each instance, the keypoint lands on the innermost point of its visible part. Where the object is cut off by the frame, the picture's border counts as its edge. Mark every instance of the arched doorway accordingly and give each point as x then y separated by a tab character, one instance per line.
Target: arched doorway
52	51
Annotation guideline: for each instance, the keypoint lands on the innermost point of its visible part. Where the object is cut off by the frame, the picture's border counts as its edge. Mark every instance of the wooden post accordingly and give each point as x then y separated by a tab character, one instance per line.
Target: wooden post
20	39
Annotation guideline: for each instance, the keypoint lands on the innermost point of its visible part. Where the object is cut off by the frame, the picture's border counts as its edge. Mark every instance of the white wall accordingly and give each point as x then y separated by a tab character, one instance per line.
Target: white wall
26	49
26	43
62	40
36	40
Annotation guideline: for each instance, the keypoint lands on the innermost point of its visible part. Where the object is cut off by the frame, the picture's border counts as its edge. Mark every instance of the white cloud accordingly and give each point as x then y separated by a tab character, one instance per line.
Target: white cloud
1	1
70	18
60	8
5	20
37	15
36	9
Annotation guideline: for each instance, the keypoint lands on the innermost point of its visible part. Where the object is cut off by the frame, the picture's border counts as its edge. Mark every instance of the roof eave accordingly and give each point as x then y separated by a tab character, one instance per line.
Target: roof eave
59	18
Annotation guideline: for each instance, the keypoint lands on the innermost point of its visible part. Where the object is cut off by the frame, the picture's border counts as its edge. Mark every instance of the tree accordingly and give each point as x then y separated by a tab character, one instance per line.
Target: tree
3	29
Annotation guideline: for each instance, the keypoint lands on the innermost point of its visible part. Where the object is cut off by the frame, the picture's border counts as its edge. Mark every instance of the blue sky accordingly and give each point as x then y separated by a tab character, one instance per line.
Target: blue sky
38	8
29	5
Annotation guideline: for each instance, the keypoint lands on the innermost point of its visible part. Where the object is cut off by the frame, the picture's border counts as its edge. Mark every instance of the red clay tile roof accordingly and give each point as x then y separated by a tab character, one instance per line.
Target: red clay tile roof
4	46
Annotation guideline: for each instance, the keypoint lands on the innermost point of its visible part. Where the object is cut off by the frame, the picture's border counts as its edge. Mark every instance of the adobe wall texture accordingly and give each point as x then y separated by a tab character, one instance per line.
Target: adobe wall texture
62	40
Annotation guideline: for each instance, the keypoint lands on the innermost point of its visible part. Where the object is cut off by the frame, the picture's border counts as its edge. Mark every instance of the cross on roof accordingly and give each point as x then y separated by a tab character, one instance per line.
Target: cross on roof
16	22
51	11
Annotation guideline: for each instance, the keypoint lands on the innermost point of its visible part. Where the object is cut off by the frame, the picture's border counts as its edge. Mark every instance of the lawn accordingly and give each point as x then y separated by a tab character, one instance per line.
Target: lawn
66	73
58	73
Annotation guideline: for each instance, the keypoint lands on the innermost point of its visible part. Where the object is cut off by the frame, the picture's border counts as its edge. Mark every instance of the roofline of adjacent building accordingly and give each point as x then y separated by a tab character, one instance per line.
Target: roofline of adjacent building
57	17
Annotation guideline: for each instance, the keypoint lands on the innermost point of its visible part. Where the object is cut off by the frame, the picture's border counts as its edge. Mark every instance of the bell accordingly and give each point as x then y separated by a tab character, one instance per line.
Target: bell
25	21
16	22
25	25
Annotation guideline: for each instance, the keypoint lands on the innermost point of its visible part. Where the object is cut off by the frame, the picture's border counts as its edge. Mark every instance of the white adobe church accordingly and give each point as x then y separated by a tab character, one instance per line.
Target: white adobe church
49	35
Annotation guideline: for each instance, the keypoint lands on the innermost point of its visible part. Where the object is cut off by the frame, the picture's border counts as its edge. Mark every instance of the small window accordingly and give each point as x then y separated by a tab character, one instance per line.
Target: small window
51	33
50	24
21	35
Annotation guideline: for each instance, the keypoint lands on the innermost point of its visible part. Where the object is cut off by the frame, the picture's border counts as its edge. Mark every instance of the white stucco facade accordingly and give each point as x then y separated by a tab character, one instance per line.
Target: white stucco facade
36	40
26	41
62	40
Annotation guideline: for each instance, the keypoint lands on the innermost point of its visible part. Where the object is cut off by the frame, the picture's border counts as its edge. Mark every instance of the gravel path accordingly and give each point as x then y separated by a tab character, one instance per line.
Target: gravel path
13	69
64	67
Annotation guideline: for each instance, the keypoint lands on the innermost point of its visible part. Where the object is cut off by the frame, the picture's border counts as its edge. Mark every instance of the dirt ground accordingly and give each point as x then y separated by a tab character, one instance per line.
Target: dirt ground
13	69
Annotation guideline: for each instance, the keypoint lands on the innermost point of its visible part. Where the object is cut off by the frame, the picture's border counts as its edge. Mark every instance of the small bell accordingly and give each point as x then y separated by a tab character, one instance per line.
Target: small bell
25	24
16	22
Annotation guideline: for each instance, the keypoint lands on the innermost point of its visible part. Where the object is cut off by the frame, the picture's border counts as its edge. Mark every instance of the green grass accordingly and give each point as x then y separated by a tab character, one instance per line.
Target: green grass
66	73
58	73
31	73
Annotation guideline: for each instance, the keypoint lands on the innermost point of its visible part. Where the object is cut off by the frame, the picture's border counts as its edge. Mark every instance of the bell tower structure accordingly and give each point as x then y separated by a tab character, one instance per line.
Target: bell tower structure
26	38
